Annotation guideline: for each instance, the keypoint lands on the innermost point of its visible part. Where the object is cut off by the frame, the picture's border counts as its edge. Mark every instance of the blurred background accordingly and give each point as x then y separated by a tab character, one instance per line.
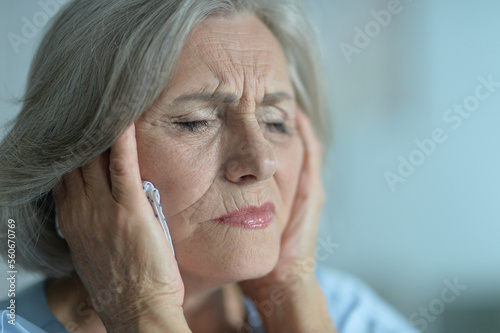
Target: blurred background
412	179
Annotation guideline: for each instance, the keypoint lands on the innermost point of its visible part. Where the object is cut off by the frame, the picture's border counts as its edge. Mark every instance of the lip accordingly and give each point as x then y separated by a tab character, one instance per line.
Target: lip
249	217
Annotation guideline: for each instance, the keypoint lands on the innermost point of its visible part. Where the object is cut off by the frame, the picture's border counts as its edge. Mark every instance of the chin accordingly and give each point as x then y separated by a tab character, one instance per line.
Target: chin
232	259
247	266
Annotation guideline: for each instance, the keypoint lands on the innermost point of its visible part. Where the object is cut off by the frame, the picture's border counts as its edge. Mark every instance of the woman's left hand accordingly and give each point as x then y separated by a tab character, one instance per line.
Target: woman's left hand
290	292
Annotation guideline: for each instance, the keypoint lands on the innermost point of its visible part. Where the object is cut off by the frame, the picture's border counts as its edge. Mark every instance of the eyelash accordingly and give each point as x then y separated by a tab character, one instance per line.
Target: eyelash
280	127
193	126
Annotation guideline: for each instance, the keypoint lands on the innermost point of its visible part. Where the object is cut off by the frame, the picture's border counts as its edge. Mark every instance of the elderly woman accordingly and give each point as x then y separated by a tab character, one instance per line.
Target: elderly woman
218	104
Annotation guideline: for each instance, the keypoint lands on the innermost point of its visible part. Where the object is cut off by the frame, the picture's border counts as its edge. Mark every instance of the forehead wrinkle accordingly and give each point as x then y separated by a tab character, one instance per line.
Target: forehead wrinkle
232	61
231	56
234	64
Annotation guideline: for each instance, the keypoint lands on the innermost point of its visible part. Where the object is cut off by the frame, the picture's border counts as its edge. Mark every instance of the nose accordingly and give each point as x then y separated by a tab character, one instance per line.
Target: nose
251	157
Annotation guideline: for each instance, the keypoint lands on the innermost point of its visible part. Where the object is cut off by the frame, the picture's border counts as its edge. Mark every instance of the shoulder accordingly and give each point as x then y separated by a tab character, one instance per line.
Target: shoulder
29	311
354	307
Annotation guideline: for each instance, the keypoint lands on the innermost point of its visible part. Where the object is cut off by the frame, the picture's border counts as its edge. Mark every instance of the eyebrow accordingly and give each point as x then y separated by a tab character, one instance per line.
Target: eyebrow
271	98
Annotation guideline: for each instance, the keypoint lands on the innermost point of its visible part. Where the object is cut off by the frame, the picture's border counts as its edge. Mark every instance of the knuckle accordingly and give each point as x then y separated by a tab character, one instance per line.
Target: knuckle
119	167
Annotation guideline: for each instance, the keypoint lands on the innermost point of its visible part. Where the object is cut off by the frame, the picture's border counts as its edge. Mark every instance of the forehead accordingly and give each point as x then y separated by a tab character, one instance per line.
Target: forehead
232	51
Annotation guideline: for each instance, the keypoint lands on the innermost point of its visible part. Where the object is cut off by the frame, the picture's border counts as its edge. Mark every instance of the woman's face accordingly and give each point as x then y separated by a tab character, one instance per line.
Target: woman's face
221	137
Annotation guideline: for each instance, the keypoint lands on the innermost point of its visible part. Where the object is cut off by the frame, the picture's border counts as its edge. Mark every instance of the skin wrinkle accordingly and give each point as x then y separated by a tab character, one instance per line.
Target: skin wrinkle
246	52
235	46
236	161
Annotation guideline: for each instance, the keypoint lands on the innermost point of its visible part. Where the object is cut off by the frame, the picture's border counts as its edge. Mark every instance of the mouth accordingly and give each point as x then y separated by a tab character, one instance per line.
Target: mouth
249	217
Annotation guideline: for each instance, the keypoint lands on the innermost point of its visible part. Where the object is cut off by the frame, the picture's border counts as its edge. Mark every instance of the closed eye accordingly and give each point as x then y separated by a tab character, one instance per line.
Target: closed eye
277	127
197	125
193	126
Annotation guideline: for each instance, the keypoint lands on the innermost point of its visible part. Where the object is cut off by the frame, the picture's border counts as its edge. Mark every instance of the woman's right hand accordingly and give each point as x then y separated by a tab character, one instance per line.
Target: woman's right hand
113	236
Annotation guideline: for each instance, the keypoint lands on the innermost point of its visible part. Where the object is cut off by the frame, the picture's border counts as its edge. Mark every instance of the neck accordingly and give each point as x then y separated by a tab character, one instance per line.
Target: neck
207	308
210	307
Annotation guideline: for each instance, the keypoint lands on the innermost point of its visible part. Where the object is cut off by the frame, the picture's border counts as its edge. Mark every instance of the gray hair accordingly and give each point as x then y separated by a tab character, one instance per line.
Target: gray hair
98	68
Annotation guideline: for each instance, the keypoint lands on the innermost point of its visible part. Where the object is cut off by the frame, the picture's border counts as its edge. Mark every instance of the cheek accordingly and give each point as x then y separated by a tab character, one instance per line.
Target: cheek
182	175
185	174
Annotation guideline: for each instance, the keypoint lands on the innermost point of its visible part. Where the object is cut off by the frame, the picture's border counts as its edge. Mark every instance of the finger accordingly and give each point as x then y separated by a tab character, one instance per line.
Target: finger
72	184
124	167
305	127
312	155
59	191
95	175
69	189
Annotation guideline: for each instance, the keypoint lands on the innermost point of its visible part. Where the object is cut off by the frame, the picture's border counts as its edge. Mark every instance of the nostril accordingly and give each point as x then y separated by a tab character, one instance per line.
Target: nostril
247	179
